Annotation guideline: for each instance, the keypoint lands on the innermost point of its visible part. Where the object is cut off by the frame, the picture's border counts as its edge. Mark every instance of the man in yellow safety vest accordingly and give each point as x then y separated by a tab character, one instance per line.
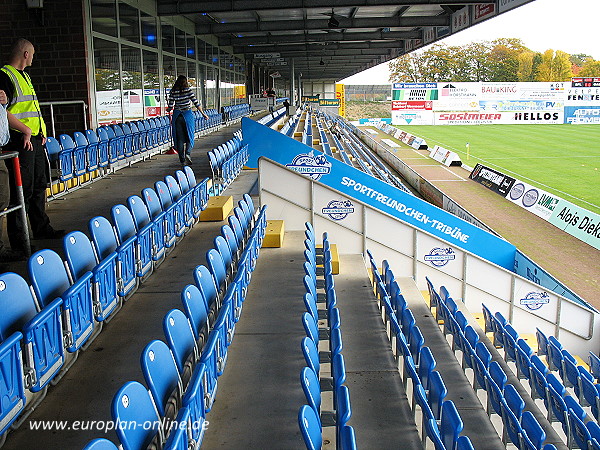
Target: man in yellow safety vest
23	104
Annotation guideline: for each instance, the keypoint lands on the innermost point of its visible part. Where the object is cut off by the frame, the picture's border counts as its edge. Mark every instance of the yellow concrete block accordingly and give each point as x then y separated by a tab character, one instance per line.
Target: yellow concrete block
217	209
335	259
274	233
333	149
316	142
298	134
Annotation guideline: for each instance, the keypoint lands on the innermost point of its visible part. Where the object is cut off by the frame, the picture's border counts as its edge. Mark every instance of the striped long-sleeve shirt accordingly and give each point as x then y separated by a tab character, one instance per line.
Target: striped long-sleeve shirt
183	99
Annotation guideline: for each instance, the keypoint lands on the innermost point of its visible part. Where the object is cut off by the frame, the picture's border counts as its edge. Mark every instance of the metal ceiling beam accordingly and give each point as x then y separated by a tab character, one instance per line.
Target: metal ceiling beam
317	37
321	24
290	48
171	7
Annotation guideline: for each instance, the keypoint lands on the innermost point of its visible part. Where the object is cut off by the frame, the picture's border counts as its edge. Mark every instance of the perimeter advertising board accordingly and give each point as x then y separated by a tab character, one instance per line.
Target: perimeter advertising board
483	103
582	104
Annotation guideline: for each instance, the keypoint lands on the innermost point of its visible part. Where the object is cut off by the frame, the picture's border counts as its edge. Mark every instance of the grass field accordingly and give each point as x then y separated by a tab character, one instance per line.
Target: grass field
561	159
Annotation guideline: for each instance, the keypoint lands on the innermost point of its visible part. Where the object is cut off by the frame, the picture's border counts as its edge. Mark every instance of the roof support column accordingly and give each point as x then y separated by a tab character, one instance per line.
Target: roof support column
292	80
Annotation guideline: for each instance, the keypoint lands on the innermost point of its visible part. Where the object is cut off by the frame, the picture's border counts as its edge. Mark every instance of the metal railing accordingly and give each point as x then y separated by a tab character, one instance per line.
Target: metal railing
62	103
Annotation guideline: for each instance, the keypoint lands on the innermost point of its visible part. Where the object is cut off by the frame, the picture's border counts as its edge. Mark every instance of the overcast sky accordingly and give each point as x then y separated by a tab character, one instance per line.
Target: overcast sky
571	26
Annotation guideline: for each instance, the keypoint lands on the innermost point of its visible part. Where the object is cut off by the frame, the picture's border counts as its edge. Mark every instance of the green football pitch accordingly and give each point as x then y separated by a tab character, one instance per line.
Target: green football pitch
561	159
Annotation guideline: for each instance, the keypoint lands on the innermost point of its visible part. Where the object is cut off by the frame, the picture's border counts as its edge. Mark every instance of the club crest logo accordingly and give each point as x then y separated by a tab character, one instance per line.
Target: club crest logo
439	257
314	166
338	209
535	300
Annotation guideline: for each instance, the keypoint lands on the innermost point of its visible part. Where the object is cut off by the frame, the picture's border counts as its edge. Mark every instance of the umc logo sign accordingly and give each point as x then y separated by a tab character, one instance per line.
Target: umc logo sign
439	257
338	209
309	164
535	300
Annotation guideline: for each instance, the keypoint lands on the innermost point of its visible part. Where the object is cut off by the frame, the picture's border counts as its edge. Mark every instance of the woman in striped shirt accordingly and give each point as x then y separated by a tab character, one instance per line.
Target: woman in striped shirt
183	126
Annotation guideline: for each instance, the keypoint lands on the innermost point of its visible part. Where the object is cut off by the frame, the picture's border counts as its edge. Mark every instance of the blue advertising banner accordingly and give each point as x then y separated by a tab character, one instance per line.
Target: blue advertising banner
263	141
582	114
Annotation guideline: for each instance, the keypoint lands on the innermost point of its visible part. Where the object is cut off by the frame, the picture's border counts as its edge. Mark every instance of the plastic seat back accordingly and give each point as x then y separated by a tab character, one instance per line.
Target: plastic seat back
138	209
436	394
132	404
206	284
217	268
310	427
311	354
100	444
426	366
152	202
224	250
162	378
312	388
124	223
180	337
196	309
164	194
451	424
103	236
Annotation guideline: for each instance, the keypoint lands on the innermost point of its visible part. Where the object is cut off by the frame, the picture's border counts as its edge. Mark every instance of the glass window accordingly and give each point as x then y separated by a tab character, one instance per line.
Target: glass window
108	82
181	67
192	81
152	103
168	38
180	45
149	31
104	17
129	23
191	46
211	87
169	71
133	107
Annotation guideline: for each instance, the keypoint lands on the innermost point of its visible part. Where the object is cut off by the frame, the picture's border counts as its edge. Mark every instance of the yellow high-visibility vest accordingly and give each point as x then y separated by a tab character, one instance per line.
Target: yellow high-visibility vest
25	105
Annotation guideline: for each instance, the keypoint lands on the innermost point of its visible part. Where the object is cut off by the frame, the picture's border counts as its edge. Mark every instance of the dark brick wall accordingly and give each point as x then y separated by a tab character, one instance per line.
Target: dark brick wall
59	65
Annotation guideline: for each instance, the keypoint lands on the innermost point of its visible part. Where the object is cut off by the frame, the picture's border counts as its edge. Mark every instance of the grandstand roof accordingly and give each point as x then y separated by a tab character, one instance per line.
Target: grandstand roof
329	40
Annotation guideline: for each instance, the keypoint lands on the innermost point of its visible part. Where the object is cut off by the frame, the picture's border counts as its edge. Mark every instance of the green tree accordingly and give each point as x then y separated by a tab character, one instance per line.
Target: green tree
503	59
590	68
555	66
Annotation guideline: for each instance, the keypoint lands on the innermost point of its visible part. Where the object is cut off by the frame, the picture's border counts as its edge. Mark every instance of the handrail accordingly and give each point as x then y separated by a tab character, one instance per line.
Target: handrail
69	102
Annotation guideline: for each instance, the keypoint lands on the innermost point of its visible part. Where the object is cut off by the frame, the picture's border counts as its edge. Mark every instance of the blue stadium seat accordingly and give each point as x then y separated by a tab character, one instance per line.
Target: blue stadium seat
170	210
594	361
42	330
179	438
180	338
178	200
436	394
60	160
12	394
195	401
311	388
140	240
132	404
105	243
347	438
187	194
426	366
209	360
591	394
206	284
464	443
532	429
451	424
81	258
217	268
100	444
144	225
311	355
162	378
196	310
50	280
523	355
89	159
164	238
97	149
78	153
310	427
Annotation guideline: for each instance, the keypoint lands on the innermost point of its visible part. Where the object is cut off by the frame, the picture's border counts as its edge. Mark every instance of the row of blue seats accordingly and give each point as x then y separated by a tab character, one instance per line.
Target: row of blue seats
89	151
182	372
502	398
227	161
322	344
270	119
70	299
290	126
579	429
441	423
233	112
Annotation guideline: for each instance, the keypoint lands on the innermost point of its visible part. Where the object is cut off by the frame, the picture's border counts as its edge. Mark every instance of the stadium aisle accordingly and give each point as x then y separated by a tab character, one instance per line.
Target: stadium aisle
85	393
